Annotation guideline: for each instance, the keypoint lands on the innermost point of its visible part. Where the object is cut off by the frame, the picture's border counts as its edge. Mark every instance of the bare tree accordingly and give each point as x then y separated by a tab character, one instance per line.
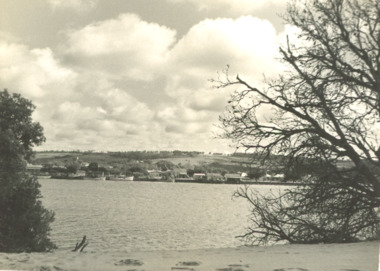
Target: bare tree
326	108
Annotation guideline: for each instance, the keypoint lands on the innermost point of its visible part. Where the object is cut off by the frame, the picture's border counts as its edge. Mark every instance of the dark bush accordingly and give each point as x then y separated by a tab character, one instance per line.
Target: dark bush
24	222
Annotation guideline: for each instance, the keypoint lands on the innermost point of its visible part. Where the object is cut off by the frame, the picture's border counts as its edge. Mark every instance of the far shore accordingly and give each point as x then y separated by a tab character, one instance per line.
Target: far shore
248	182
363	256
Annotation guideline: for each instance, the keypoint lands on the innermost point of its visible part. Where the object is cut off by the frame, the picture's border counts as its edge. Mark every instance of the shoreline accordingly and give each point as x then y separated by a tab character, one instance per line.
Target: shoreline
184	181
361	256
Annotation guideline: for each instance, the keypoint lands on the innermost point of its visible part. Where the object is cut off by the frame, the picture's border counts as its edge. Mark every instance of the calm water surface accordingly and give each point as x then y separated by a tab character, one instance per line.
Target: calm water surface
135	216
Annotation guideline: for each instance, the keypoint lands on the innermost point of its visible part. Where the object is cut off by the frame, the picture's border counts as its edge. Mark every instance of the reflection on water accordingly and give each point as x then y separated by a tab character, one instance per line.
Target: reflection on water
135	216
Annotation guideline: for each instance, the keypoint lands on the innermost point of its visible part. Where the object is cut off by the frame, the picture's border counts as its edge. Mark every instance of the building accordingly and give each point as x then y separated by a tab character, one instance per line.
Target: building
34	169
154	174
233	178
200	177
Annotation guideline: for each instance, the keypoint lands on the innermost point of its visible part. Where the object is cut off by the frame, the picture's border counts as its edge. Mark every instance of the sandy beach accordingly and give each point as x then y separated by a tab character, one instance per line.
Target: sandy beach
343	257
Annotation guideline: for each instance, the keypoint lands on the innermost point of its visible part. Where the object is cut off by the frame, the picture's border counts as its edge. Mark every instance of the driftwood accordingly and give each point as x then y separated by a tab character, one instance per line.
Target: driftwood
81	245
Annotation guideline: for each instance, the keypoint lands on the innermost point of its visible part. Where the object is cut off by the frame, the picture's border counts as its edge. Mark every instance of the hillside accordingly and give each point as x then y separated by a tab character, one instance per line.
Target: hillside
184	160
178	162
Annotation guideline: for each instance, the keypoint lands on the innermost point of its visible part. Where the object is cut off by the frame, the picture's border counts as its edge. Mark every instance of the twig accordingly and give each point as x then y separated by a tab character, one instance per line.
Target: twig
82	245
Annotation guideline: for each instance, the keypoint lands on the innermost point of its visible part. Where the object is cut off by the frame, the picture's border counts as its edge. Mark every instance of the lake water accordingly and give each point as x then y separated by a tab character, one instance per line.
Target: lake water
142	216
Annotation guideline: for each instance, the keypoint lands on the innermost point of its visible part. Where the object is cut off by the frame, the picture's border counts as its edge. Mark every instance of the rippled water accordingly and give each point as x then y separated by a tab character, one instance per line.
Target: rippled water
134	216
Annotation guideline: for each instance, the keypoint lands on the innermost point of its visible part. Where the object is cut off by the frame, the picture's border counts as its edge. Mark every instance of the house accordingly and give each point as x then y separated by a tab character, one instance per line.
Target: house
84	165
200	176
233	178
34	169
274	177
80	174
183	177
154	174
139	176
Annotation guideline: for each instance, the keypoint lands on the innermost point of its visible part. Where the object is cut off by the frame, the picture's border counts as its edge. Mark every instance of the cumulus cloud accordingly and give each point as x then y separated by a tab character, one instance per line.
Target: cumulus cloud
122	47
204	100
237	6
247	45
34	72
74	110
77	5
107	87
187	128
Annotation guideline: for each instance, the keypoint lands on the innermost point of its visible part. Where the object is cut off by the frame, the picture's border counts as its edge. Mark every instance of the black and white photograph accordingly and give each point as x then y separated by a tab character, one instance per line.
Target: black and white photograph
190	135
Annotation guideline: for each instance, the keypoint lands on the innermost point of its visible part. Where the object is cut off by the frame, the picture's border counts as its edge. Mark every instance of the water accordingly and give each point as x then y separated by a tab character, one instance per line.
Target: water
140	216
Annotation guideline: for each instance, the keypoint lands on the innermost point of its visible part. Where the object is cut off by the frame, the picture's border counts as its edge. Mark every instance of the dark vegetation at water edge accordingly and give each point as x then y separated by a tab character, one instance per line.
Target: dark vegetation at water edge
24	222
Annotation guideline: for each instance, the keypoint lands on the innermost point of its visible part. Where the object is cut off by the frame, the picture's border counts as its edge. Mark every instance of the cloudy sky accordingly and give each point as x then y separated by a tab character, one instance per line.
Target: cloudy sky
126	75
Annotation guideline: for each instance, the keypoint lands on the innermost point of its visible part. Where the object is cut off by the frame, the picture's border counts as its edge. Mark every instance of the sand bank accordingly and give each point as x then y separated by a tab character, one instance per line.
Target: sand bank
343	257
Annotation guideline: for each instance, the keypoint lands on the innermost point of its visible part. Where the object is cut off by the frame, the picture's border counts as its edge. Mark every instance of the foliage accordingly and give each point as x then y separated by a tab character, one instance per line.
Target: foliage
190	172
72	165
137	168
16	123
255	173
93	166
165	165
103	170
324	107
72	168
24	222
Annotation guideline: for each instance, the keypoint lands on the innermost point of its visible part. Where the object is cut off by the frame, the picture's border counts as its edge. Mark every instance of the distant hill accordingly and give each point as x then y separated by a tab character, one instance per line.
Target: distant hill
180	159
111	158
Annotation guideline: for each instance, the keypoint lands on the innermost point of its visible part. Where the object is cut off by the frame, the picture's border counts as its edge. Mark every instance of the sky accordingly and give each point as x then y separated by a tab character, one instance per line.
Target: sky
127	75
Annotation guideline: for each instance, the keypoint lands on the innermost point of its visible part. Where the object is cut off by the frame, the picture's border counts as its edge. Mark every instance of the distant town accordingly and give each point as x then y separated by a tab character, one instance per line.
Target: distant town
157	166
